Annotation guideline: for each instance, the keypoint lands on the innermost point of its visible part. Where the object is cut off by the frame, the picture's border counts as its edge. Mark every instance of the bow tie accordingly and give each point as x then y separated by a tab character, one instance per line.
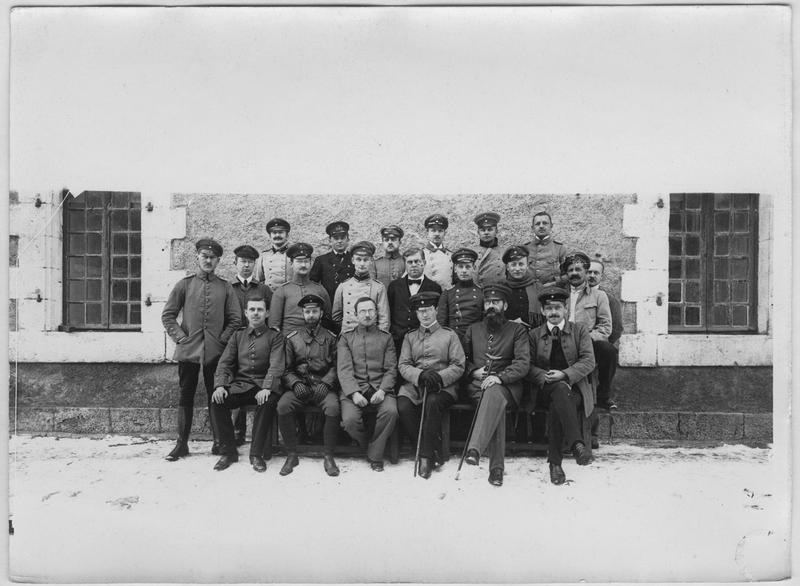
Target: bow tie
415	281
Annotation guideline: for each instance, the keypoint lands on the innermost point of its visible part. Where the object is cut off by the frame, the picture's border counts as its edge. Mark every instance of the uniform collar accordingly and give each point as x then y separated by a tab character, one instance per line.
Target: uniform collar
201	274
251	331
392	255
282	248
492	244
362	330
309	335
433	248
542	241
246	282
465	284
431	328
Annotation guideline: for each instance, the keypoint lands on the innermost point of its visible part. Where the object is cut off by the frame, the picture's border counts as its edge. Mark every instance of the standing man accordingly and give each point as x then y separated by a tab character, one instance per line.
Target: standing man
489	267
284	313
462	305
498	357
246	285
392	265
432	358
605	389
561	361
211	313
248	374
274	266
367	367
438	264
310	378
523	304
333	268
546	254
403	318
361	284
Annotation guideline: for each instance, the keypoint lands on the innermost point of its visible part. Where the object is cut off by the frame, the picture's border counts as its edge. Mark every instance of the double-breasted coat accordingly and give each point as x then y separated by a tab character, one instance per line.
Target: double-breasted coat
433	347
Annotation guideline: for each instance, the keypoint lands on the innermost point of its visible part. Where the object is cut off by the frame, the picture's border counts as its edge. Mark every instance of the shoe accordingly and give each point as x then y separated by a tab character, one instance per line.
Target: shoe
215	449
437	459
607	405
581	454
425	467
331	469
258	463
595	443
225	461
180	450
473	457
289	464
557	475
240	440
376	466
496	477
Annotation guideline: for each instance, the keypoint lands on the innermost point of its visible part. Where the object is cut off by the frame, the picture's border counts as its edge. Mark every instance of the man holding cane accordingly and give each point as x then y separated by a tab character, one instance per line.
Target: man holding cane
431	363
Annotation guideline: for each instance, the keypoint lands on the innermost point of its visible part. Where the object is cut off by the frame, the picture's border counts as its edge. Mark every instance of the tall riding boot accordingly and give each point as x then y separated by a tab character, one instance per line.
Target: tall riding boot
181	449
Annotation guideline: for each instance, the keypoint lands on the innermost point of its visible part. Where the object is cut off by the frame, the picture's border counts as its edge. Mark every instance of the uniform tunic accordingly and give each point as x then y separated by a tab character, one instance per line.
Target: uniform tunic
284	314
388	268
591	310
331	270
433	347
254	357
439	265
273	267
353	289
403	318
511	343
545	259
489	268
211	313
460	307
366	360
310	357
252	286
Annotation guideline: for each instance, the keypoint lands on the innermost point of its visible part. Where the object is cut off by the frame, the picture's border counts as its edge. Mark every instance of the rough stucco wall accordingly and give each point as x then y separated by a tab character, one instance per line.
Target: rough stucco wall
591	223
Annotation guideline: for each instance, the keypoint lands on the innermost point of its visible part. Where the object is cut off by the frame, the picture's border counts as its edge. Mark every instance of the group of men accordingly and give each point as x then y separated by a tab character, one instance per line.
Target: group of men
404	336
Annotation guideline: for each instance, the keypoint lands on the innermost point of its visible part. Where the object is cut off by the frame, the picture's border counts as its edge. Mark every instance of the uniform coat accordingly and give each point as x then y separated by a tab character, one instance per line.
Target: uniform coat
366	360
388	268
284	313
353	289
439	265
577	347
253	286
331	270
211	313
310	357
253	357
273	267
402	317
510	342
460	307
545	259
433	347
489	267
592	310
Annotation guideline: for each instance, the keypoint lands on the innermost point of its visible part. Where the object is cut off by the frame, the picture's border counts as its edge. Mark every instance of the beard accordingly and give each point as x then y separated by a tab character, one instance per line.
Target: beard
312	323
495	318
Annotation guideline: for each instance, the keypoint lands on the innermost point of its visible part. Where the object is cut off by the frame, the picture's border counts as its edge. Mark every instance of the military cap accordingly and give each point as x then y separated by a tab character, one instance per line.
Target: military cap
487	219
311	299
278	223
553	293
245	251
574	257
364	247
464	255
436	220
497	291
209	244
424	299
515	253
392	230
299	249
337	227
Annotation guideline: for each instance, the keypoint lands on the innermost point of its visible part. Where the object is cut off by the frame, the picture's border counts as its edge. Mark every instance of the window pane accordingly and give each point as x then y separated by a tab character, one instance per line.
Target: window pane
94	266
94	221
721	291
739	268
740	245
76	267
77	244
94	244
93	290
739	291
674	292
692	222
676	222
119	220
94	313
741	201
674	315
692	291
741	222
76	222
119	313
136	267
722	222
675	245
693	201
119	290
120	243
675	268
135	244
135	200
692	245
95	200
722	201
119	266
721	268
692	268
77	291
119	200
75	311
135	290
136	314
721	245
136	220
740	317
675	201
720	315
692	315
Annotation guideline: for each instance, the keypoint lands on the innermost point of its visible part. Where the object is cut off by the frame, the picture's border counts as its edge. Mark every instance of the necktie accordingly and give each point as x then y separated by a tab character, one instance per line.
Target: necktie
415	281
556	338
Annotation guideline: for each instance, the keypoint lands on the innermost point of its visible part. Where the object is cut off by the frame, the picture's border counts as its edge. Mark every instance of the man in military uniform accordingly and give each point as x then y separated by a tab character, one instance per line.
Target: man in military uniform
335	267
432	358
498	357
211	313
361	284
248	374
274	266
284	313
391	266
462	305
561	361
605	389
367	366
546	254
489	266
438	264
310	378
523	304
403	318
244	285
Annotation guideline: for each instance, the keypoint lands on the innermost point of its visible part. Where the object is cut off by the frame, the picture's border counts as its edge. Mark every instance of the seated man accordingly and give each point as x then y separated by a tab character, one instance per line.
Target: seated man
367	366
498	357
310	378
432	357
561	360
247	374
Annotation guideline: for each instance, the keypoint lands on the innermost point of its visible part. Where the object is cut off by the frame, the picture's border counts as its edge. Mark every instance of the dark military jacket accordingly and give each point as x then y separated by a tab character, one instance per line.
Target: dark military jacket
461	307
310	357
331	269
510	343
242	291
254	357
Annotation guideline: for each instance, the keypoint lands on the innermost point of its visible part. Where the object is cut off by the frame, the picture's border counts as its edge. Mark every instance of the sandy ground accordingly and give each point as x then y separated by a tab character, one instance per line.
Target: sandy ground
113	509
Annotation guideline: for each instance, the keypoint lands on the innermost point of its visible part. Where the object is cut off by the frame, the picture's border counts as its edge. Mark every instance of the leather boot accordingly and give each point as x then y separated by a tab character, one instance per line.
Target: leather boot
288	466
425	467
181	448
331	469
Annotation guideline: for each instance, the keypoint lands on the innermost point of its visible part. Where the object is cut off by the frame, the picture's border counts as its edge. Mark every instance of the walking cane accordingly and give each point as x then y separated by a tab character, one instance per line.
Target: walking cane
421	423
490	358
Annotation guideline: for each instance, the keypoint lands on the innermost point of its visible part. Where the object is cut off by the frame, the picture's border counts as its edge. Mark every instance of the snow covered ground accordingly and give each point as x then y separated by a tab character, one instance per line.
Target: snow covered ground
113	509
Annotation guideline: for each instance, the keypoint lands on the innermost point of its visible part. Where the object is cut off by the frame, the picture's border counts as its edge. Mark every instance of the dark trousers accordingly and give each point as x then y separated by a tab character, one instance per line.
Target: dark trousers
562	418
436	406
262	422
189	375
606	355
289	404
